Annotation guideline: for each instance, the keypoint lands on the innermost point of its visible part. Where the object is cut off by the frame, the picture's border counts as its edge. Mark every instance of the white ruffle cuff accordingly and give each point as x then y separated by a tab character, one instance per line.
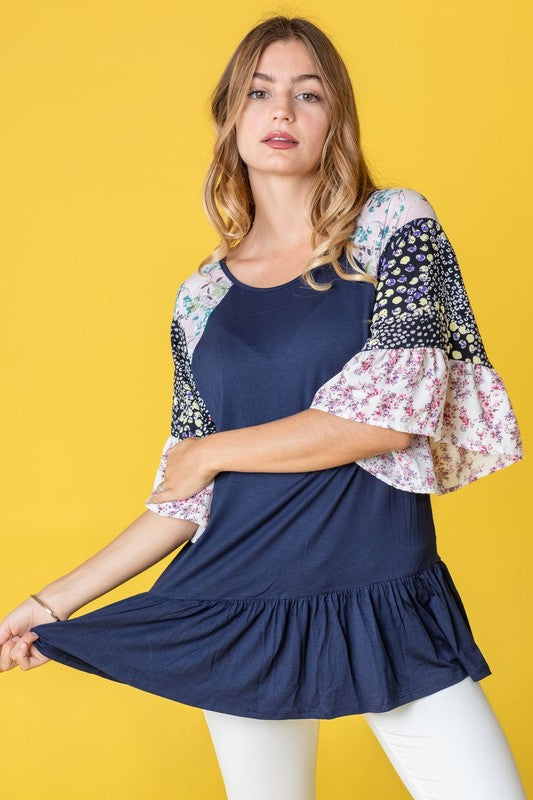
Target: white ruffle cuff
460	413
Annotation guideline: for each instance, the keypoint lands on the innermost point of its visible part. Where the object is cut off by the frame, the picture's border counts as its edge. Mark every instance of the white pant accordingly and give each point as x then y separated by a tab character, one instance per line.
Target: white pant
448	745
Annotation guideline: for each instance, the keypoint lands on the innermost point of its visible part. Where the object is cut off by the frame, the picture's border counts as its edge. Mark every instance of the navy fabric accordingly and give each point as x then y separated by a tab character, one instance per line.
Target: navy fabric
311	594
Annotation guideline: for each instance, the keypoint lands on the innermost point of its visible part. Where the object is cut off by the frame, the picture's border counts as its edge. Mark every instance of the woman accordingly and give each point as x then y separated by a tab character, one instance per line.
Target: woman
329	376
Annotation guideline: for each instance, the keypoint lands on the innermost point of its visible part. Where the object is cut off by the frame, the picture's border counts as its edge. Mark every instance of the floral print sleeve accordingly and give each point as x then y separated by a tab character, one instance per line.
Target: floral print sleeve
195	299
423	369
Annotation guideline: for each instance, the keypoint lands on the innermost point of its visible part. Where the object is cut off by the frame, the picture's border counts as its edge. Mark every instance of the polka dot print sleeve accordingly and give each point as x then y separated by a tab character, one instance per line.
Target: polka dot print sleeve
423	369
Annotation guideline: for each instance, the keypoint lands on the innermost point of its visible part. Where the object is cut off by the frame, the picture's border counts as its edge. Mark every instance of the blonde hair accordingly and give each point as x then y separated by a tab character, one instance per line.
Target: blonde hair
342	181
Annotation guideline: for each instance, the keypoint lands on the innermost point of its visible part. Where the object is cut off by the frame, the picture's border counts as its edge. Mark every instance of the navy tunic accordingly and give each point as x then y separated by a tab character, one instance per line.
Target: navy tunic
315	594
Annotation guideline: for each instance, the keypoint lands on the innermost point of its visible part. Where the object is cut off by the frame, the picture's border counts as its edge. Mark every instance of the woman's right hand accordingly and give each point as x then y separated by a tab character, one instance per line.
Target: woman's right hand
16	639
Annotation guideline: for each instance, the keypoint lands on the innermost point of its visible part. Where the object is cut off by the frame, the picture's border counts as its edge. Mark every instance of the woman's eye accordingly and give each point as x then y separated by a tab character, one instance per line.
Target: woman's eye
262	91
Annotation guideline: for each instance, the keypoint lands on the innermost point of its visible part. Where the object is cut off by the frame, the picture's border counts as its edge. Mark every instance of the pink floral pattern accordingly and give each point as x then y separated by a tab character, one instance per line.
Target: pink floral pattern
196	508
459	412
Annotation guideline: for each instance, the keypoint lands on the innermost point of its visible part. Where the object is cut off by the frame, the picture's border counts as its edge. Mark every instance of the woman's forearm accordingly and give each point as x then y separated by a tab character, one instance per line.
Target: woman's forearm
303	442
146	541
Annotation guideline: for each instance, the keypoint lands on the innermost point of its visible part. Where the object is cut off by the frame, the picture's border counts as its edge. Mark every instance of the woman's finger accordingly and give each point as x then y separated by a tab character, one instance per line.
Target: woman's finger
21	654
5	656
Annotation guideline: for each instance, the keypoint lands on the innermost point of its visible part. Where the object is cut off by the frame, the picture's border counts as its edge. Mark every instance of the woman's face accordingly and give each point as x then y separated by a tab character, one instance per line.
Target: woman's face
277	102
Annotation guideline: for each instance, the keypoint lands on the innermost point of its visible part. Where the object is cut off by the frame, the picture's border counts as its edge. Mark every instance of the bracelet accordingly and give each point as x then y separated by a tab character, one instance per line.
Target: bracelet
45	607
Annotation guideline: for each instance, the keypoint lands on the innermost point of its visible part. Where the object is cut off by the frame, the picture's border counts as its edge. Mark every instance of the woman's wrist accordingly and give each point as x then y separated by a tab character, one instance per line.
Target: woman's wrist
212	451
55	596
46	607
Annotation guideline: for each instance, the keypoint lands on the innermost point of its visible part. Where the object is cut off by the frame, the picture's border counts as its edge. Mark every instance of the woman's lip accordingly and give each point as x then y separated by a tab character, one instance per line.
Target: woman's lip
278	137
278	144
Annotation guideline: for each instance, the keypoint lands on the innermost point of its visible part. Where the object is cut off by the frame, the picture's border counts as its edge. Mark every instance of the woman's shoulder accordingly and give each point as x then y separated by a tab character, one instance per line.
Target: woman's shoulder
202	288
385	211
397	204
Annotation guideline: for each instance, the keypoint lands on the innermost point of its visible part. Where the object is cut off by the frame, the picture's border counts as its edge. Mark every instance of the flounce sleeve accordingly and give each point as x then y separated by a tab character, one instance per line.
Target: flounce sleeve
190	416
424	369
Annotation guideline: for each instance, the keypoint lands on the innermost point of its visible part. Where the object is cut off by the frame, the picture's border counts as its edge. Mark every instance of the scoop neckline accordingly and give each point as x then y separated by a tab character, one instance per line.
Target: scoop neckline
250	288
229	274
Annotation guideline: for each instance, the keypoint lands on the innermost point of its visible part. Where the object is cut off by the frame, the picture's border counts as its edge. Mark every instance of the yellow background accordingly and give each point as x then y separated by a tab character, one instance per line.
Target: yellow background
106	138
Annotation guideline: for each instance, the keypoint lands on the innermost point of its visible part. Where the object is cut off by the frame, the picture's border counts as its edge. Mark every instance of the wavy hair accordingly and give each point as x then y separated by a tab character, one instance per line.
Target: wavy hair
342	180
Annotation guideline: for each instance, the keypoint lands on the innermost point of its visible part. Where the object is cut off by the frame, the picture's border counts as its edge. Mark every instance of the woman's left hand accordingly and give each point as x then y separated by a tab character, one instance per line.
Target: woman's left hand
186	472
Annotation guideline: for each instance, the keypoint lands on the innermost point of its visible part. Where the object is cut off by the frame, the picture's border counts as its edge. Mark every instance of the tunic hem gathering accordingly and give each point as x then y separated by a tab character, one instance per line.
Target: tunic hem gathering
368	643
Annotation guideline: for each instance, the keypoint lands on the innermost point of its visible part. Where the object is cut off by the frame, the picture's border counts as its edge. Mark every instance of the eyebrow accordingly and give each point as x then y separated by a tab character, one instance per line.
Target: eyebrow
266	76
